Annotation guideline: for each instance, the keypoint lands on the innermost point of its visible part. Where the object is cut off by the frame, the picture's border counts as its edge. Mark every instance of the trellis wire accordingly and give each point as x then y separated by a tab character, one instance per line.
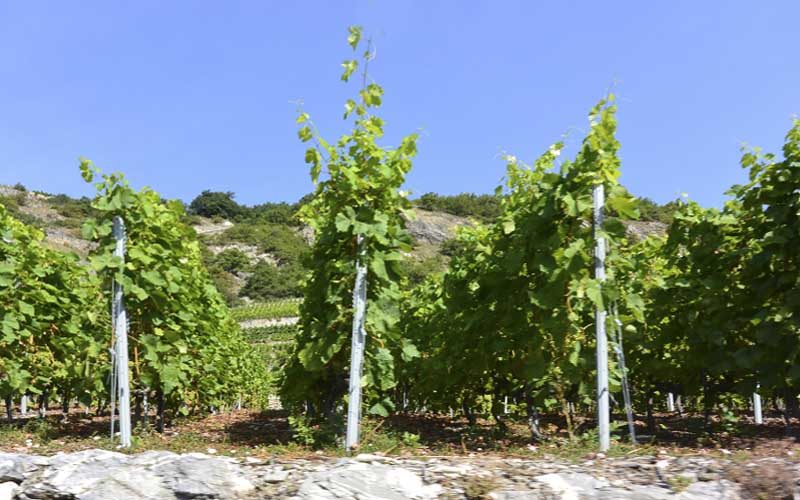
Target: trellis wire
626	390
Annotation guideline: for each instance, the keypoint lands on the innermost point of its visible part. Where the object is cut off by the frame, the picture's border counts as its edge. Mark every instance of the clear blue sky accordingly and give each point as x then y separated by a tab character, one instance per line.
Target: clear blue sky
192	95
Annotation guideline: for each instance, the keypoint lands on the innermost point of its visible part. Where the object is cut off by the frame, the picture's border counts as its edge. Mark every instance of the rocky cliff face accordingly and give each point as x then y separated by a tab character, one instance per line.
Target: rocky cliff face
639	230
434	227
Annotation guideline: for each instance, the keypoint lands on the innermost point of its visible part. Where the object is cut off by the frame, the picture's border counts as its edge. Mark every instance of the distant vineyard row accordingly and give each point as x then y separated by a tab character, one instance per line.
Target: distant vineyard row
268	310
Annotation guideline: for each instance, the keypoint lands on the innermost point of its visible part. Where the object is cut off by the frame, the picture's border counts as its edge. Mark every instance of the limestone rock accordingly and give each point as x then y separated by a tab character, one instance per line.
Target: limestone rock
100	475
366	481
7	490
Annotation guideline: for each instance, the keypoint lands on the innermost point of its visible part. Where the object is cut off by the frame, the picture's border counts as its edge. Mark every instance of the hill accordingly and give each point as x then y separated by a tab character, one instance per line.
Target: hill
256	253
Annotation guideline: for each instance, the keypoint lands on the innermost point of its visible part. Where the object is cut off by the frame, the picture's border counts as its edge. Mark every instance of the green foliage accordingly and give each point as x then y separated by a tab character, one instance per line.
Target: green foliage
226	285
484	206
276	213
358	198
514	312
216	204
720	291
303	433
13	206
264	280
222	205
417	270
314	434
273	282
708	310
273	333
231	260
652	211
72	208
451	247
52	325
273	309
283	242
186	345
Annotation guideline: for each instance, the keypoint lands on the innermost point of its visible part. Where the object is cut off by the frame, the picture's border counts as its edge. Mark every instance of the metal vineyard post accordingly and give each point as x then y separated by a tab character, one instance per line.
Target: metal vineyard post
357	354
120	331
598	197
757	406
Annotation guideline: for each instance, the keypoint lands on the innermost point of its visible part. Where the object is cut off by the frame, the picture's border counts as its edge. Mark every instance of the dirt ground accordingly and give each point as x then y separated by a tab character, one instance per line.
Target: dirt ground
268	434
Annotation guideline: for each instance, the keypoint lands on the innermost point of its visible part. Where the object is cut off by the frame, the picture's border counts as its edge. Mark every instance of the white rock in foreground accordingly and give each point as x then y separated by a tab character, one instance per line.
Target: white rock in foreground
365	481
7	490
102	475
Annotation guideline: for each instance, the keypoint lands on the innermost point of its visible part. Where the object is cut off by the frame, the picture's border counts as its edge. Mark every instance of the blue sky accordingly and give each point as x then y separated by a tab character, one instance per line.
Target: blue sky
192	95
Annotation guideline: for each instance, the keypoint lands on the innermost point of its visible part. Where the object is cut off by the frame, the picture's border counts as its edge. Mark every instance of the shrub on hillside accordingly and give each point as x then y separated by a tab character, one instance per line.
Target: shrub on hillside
270	282
216	204
451	247
13	204
279	240
652	211
231	260
225	284
485	206
416	271
72	208
276	213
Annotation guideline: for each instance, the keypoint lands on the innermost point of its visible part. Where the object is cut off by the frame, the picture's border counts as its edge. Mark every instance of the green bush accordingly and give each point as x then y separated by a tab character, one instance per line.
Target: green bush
417	270
652	211
225	284
485	206
216	204
451	247
13	204
281	241
276	213
231	260
72	208
269	281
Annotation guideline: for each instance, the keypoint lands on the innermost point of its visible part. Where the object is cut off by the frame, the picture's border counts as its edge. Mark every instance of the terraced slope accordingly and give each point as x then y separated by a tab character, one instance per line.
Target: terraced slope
271	327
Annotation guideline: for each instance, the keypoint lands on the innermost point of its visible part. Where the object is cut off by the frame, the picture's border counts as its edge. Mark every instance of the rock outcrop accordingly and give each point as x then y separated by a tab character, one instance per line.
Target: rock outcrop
434	227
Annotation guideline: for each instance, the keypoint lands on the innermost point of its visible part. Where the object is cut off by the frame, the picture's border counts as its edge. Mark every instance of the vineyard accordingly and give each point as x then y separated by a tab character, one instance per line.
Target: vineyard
702	322
267	310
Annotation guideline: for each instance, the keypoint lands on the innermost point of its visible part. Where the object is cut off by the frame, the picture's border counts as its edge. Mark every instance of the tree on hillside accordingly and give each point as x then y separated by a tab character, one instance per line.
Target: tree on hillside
652	211
485	206
216	204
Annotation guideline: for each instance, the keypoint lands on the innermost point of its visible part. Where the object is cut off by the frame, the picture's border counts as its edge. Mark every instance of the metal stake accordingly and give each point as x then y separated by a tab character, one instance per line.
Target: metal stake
598	197
357	349
120	325
757	406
